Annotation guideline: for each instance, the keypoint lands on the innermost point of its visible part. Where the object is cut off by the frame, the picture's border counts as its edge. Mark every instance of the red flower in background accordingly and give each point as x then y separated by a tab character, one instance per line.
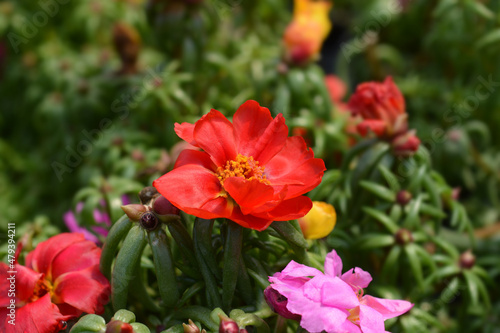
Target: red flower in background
337	90
382	107
249	171
60	281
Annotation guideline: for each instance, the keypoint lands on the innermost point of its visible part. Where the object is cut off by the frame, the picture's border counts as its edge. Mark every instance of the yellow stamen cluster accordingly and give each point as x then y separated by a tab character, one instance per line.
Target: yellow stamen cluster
242	166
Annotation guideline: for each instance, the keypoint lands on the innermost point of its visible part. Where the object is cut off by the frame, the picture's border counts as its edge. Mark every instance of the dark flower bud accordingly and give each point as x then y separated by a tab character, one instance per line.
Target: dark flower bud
278	302
149	221
134	211
467	260
228	325
162	206
117	326
403	197
403	236
147	194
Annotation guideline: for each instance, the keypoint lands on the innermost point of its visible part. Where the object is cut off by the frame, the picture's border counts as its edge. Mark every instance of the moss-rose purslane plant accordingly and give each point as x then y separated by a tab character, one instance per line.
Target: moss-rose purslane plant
331	302
249	171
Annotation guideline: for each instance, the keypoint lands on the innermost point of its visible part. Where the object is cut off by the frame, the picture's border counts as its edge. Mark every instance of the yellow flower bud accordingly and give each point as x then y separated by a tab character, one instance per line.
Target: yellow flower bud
305	34
319	222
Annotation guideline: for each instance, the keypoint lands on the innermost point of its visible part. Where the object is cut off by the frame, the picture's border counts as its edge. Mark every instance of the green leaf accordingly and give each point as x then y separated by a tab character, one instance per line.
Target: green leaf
432	211
375	240
415	264
125	316
117	232
472	288
89	323
481	10
164	267
126	266
447	247
413	218
382	218
202	238
379	190
491	38
289	233
390	178
232	256
391	262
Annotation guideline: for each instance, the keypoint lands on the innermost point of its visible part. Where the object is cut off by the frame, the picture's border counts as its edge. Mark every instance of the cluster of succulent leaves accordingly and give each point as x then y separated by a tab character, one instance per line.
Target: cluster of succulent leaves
61	83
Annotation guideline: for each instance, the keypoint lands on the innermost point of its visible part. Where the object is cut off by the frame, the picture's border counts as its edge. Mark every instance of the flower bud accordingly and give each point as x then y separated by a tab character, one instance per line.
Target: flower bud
467	260
278	302
403	236
403	197
117	326
228	325
134	211
147	194
319	222
406	144
190	327
305	34
162	206
149	221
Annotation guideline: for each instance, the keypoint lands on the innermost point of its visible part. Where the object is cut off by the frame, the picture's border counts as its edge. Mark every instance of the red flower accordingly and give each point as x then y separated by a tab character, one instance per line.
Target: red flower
382	106
249	171
60	281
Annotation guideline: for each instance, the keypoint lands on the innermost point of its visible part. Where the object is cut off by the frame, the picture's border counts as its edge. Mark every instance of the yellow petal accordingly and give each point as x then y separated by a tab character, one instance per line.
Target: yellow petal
319	222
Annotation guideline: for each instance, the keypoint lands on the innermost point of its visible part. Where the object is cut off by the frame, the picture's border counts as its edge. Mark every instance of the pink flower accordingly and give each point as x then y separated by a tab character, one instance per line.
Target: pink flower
332	301
101	218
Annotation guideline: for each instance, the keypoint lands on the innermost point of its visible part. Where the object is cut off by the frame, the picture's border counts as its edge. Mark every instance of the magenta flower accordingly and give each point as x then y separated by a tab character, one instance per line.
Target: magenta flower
332	301
101	219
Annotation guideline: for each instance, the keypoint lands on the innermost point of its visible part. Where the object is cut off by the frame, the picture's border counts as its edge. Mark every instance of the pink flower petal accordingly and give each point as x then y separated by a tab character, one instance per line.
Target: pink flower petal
357	277
388	308
339	294
370	320
333	264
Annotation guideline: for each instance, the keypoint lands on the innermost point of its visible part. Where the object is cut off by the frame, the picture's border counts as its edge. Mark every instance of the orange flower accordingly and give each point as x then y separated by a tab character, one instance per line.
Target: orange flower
305	34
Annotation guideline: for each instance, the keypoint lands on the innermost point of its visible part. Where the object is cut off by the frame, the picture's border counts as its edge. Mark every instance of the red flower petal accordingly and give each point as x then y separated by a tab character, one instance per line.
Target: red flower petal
249	221
41	258
296	167
214	134
290	209
86	290
76	257
196	157
256	132
248	194
25	281
378	127
185	132
191	188
40	316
